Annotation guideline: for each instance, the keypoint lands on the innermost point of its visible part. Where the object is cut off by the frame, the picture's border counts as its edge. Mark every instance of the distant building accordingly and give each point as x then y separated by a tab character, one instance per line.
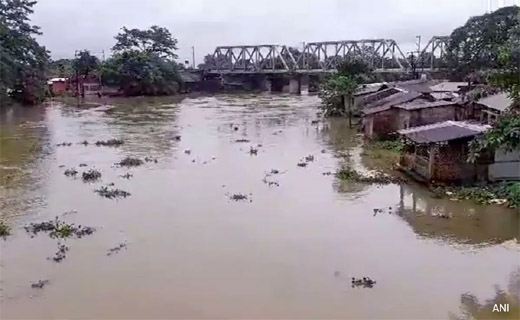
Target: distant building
58	86
439	152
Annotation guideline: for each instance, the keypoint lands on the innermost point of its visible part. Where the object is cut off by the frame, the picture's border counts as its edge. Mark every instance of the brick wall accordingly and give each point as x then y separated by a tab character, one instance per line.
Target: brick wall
450	163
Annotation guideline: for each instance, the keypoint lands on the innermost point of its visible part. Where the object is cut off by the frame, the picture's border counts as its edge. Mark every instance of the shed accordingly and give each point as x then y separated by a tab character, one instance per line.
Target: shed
439	152
491	107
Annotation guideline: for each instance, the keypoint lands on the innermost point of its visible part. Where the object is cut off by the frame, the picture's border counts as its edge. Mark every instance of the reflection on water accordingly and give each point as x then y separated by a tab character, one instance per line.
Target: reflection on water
472	308
193	253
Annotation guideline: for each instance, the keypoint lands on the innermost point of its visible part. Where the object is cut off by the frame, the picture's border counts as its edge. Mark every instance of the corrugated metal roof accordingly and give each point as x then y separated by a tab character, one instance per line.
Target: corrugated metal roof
423	104
448	86
388	102
498	102
371	88
443	131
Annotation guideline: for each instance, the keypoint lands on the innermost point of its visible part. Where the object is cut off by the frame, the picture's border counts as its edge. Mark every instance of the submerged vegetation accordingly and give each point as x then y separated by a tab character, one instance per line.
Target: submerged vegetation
501	193
59	229
5	230
130	162
112	193
91	175
348	174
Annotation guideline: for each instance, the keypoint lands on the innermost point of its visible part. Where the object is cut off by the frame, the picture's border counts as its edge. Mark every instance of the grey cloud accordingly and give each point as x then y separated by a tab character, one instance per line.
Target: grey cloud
69	25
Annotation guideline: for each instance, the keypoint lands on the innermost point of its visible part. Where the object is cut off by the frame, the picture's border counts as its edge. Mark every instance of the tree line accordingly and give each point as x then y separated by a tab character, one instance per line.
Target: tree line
142	63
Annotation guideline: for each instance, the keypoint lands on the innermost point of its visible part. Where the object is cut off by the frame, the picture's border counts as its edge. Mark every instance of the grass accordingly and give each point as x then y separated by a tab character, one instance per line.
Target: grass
382	155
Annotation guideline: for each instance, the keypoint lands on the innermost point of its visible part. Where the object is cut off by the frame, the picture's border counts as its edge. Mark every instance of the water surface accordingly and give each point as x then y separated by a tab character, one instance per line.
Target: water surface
289	251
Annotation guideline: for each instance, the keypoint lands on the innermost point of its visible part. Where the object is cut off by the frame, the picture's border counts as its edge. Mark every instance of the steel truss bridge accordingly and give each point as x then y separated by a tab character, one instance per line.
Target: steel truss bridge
383	55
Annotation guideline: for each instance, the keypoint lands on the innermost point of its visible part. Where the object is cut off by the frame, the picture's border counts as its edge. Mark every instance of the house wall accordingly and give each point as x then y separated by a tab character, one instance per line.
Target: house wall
421	117
506	166
382	124
450	163
59	88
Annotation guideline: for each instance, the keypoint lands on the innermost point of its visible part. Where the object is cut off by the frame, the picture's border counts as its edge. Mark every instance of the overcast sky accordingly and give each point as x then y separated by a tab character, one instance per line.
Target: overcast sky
68	25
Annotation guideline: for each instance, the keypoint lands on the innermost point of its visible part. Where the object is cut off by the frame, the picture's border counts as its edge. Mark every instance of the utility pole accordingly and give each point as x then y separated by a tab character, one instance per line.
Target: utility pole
418	44
193	56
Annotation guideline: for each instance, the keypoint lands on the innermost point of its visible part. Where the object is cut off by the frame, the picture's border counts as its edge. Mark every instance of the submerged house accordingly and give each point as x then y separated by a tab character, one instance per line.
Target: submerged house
439	152
58	86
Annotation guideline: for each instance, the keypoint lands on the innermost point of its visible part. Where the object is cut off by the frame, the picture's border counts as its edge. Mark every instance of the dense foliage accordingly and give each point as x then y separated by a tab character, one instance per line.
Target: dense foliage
22	60
476	45
142	63
337	91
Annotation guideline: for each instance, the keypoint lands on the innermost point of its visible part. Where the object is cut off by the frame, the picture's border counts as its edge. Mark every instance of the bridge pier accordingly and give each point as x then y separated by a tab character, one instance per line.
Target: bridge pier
266	85
294	85
304	84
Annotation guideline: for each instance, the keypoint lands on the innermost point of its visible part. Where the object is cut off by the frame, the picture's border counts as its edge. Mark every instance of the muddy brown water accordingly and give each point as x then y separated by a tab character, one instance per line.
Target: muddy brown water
289	251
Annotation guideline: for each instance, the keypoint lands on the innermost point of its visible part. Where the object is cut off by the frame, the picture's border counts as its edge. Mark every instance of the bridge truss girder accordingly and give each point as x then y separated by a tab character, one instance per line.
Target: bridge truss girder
330	53
254	58
434	50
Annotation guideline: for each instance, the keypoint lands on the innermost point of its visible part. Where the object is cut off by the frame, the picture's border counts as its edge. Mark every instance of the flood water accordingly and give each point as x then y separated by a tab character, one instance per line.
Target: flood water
288	251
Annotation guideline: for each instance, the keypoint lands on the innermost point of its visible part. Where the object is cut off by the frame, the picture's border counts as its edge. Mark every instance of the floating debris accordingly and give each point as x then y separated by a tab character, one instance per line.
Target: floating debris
315	121
126	176
348	174
309	158
111	184
253	151
61	166
150	159
241	140
84	142
40	284
110	143
444	216
61	253
112	193
58	229
365	282
116	249
187	151
323	151
64	144
302	164
82	164
235	128
70	172
5	230
238	197
178	138
270	183
328	173
130	162
91	175
274	171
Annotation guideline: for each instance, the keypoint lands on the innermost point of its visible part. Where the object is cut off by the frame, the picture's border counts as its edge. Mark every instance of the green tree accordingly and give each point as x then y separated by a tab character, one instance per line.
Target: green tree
476	44
156	40
337	91
85	65
142	63
23	61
